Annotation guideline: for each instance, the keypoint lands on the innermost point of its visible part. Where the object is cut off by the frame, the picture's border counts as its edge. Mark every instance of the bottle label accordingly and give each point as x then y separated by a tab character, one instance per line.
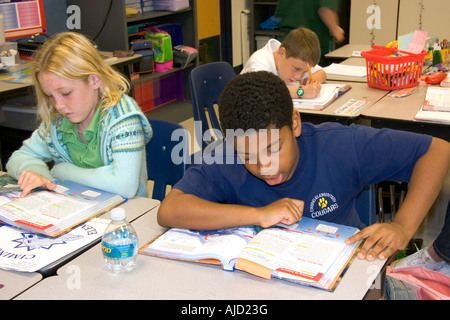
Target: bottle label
122	251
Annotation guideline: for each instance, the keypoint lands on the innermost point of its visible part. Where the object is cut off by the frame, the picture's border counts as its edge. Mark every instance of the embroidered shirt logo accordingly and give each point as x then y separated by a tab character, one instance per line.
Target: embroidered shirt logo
322	204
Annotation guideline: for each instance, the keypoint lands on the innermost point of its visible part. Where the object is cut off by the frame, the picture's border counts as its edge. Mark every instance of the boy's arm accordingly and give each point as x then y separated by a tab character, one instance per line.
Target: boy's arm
182	210
426	180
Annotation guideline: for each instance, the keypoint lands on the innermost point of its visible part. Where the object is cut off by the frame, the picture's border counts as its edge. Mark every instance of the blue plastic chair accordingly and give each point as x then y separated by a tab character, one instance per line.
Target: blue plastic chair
163	167
206	83
366	205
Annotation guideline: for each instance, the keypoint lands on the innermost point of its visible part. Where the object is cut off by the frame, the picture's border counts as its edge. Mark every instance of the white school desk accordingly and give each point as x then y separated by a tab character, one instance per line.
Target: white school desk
399	113
359	91
134	208
13	283
158	278
346	51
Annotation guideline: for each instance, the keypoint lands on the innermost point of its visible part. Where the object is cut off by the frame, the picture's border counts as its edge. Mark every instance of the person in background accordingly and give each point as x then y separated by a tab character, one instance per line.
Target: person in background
91	131
294	60
320	16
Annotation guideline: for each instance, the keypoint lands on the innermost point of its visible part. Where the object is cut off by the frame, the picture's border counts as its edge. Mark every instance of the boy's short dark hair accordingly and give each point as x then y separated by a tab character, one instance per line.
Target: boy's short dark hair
302	43
255	100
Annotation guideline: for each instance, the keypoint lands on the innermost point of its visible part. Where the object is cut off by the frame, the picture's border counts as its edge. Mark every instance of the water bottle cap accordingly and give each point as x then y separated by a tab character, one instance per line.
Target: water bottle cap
117	214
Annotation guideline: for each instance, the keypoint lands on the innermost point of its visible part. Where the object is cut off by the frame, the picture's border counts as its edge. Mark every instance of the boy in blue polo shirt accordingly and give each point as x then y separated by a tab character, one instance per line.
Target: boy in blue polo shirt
275	169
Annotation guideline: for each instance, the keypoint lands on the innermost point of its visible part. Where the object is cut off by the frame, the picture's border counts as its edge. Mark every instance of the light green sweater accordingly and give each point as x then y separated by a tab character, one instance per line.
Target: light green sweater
125	132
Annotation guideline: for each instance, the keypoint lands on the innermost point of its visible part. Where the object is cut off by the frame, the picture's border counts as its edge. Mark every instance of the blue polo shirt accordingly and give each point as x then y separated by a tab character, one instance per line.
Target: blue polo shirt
335	164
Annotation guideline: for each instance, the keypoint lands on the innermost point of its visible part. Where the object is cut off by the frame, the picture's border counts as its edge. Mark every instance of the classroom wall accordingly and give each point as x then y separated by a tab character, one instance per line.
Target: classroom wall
397	17
433	17
369	26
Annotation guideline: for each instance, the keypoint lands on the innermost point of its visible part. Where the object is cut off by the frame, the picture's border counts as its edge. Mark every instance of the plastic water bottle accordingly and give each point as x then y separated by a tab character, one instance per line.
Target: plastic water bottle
119	243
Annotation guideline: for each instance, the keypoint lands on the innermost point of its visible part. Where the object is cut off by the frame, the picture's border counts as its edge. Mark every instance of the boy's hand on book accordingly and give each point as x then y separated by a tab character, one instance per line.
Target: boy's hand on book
287	211
28	181
311	90
382	240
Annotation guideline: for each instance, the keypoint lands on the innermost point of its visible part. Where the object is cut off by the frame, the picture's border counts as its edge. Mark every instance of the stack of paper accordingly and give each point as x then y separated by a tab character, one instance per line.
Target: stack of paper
433	116
345	70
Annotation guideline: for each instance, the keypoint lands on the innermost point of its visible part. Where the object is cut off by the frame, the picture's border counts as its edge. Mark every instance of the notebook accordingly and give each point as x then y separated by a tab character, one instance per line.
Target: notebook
327	95
433	116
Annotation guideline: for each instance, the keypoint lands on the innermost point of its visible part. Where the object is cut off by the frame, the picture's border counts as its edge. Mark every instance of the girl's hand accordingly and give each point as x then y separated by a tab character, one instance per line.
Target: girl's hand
29	181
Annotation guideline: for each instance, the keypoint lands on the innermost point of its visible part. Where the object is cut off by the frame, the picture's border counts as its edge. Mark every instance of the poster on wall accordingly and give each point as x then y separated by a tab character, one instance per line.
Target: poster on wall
22	18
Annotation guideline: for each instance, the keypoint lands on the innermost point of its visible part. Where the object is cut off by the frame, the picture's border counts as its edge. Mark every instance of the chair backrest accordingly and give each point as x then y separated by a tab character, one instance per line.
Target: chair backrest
366	205
206	83
167	160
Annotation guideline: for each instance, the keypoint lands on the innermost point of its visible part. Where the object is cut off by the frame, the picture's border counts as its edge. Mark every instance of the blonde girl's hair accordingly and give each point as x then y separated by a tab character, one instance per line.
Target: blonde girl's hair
72	56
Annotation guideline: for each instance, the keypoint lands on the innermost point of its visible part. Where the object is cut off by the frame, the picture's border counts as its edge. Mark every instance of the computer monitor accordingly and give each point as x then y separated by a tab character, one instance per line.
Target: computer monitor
23	18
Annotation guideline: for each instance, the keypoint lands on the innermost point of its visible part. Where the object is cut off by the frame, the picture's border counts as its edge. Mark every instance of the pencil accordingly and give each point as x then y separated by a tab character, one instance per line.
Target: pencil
310	74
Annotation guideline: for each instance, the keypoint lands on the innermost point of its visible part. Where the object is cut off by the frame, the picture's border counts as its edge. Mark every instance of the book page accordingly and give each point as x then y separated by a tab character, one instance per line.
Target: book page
327	92
43	209
293	252
327	95
53	212
222	244
311	252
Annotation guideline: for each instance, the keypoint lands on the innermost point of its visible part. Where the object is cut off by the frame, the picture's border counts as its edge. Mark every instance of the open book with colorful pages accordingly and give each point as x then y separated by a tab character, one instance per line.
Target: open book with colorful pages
311	252
55	212
437	99
329	93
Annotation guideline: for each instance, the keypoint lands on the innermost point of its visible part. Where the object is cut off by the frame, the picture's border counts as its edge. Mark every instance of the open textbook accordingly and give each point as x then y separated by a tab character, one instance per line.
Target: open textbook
311	252
328	93
53	213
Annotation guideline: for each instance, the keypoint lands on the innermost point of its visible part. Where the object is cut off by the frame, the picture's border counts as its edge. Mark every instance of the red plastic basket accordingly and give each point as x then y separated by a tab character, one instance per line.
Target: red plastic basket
391	69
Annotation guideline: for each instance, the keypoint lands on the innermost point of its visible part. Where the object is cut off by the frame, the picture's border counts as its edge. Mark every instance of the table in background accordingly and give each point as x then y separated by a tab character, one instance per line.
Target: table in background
359	91
158	278
346	51
134	209
399	113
